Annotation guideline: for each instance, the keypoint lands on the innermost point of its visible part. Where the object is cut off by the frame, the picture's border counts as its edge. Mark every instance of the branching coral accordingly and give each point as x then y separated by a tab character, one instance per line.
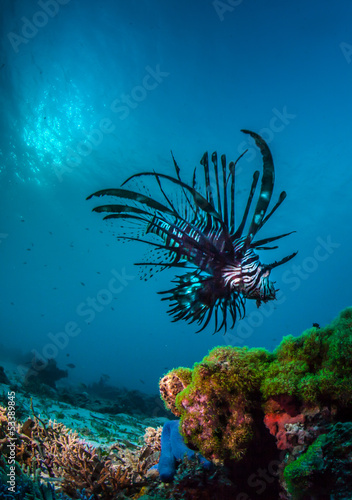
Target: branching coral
54	451
152	438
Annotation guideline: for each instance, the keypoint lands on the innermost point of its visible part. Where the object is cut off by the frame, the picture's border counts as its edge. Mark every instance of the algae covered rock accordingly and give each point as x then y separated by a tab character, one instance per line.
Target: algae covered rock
315	367
216	406
301	394
326	466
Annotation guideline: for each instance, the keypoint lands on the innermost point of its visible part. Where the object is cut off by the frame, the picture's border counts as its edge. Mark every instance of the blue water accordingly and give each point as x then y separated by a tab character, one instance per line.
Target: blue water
92	92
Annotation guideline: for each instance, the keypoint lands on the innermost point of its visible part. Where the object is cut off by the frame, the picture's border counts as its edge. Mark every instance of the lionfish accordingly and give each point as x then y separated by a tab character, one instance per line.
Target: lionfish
197	231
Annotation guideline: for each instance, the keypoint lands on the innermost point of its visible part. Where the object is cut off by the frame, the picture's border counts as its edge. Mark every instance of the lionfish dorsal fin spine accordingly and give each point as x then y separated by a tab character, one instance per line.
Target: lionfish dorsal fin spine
240	228
276	206
269	240
266	188
232	169
224	183
214	159
205	162
280	262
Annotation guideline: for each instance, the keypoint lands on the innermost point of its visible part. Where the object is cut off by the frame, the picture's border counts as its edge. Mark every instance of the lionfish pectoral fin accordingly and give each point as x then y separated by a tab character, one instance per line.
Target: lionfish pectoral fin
132	195
192	298
199	200
119	210
267	248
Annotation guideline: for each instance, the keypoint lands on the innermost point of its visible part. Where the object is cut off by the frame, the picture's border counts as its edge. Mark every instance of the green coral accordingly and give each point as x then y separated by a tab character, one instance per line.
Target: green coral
215	408
184	374
315	367
220	398
325	467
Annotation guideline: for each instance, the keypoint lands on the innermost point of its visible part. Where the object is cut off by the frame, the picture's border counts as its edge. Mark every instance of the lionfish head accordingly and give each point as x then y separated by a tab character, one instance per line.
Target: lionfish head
250	278
265	289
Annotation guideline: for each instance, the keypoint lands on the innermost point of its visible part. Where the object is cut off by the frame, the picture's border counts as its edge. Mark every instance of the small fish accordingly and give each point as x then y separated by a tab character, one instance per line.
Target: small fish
82	283
316	325
71	365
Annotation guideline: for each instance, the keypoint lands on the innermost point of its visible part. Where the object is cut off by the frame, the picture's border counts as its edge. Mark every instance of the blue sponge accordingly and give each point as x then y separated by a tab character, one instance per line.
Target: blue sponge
173	449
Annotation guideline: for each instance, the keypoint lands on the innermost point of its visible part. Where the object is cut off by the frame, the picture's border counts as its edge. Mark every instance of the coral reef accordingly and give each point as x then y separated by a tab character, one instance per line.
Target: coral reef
3	376
236	398
325	467
50	451
274	425
152	438
172	384
35	488
216	407
316	367
46	373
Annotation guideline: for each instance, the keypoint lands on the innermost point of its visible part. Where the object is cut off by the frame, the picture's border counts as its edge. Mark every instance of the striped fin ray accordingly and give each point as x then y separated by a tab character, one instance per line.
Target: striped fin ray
267	185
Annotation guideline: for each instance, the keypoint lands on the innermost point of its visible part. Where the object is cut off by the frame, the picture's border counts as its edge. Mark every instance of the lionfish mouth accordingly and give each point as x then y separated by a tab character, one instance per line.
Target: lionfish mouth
195	228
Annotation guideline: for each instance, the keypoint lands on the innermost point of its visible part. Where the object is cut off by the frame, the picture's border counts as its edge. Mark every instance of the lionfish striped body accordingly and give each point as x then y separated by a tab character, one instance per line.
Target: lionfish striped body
199	234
